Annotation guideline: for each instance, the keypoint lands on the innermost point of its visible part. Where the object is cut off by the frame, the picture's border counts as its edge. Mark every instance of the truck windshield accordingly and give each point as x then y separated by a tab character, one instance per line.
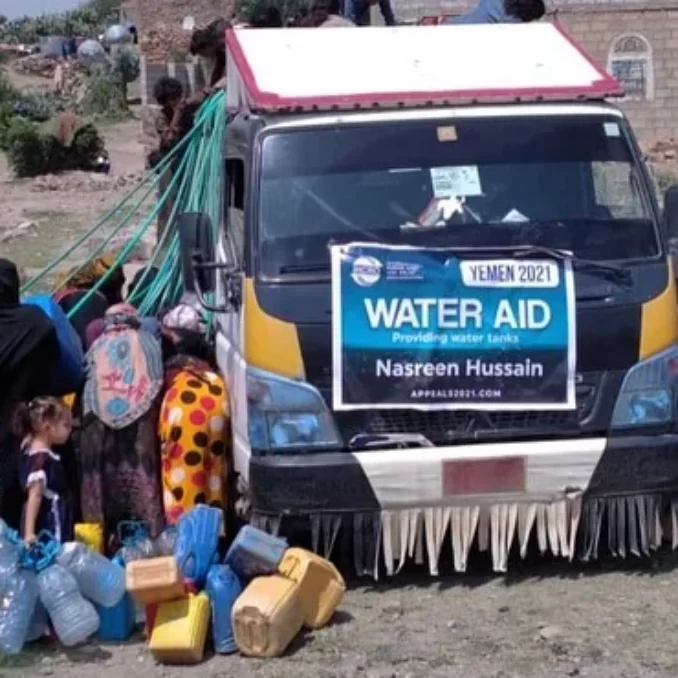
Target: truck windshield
568	182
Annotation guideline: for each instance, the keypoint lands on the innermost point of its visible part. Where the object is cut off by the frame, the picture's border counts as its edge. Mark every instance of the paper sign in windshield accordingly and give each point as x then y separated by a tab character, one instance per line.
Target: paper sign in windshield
441	329
462	181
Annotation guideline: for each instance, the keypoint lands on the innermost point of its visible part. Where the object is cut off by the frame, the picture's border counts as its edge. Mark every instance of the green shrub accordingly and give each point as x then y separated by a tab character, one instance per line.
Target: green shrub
6	118
8	93
106	95
32	152
26	149
38	106
87	148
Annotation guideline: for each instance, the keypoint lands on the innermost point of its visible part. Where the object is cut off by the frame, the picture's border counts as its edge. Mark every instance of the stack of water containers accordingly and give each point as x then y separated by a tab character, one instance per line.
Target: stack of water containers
56	583
259	598
119	621
289	588
177	614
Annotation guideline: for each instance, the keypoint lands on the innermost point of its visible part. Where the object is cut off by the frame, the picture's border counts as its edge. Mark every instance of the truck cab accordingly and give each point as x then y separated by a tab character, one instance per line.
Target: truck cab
346	202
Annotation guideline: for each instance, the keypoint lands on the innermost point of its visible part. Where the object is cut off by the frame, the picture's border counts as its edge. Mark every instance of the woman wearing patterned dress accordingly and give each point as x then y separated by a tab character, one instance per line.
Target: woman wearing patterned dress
118	446
194	426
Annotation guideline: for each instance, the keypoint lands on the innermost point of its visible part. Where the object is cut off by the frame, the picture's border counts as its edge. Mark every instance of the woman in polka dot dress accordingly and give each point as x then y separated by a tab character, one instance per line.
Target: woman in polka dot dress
194	434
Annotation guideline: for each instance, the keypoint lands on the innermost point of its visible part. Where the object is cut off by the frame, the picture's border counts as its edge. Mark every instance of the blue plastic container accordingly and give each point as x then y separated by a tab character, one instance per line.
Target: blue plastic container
101	581
223	588
118	622
197	541
255	553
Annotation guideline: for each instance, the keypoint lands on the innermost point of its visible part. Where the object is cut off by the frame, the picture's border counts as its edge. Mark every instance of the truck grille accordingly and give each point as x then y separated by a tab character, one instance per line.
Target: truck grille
466	425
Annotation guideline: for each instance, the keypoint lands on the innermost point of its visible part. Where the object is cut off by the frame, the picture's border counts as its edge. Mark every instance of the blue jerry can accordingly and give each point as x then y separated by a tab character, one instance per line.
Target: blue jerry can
117	622
223	588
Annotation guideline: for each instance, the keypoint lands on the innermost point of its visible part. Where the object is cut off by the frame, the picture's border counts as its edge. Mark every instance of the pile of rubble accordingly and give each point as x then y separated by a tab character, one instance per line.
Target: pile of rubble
8	51
76	83
162	43
166	40
36	64
147	13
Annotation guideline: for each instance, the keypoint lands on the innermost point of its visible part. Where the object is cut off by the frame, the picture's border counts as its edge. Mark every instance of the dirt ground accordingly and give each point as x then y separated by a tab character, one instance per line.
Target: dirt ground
41	217
546	619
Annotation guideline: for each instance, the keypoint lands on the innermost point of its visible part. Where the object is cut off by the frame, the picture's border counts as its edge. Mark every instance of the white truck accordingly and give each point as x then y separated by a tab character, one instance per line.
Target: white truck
445	307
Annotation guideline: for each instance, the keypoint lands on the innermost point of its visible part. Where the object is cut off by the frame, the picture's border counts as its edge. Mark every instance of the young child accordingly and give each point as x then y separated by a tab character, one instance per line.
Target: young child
42	424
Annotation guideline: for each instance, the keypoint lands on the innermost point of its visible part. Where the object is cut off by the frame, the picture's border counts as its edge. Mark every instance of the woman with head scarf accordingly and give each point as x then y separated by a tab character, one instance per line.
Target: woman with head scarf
28	350
194	425
75	285
120	473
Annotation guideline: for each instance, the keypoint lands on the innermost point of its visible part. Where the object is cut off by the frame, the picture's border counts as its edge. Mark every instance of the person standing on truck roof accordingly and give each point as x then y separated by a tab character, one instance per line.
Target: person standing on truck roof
264	14
210	44
325	14
358	11
173	123
501	12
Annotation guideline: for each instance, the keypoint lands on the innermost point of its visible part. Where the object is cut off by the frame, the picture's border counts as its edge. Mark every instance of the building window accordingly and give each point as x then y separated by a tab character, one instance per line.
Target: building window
630	62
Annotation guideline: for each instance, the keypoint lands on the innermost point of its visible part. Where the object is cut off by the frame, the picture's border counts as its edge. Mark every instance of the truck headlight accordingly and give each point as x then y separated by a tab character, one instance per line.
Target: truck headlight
284	415
648	394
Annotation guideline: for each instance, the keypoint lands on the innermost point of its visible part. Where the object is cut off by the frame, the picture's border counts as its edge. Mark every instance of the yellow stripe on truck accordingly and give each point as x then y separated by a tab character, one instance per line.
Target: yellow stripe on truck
659	320
269	343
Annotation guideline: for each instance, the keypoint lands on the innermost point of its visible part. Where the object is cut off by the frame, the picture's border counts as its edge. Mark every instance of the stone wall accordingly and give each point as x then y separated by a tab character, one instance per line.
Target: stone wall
640	47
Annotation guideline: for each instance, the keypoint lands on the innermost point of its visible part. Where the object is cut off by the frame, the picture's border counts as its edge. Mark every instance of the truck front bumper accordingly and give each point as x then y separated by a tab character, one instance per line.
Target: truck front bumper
493	473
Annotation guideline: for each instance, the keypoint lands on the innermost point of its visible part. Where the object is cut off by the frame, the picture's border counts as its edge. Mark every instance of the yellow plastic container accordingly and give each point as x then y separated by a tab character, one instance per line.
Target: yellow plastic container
156	580
321	586
180	630
267	616
90	534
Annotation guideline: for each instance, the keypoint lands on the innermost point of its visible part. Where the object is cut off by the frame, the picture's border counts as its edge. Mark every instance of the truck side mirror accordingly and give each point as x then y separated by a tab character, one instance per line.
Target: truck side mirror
196	244
199	265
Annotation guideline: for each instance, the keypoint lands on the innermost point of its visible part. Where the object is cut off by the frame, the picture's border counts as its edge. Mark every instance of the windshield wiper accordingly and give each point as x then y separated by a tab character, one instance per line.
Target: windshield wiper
318	267
610	271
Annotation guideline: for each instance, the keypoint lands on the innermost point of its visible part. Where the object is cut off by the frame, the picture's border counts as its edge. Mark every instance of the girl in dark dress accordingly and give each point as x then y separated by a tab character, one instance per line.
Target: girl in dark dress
42	424
28	351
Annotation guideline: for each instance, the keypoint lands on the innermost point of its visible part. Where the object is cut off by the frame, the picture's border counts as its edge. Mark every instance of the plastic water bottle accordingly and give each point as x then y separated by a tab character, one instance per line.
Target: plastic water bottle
74	618
99	579
164	544
39	623
10	547
17	606
138	547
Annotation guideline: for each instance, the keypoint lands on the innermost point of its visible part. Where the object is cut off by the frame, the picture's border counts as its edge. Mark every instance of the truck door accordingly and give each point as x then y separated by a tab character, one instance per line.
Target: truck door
229	336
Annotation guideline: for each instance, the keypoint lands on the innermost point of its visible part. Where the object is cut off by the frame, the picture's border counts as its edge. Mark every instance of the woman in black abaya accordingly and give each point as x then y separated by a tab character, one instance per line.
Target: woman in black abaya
28	350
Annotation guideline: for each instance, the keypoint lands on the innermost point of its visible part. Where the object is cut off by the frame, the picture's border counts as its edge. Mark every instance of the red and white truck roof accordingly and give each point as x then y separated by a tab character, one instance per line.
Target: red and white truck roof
301	69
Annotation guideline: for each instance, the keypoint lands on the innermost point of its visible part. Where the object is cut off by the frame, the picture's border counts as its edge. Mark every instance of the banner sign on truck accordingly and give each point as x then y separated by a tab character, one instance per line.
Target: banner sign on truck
443	329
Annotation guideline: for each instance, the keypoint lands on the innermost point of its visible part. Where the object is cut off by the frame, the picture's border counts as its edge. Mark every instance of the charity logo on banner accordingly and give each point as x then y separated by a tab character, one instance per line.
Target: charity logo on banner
437	329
